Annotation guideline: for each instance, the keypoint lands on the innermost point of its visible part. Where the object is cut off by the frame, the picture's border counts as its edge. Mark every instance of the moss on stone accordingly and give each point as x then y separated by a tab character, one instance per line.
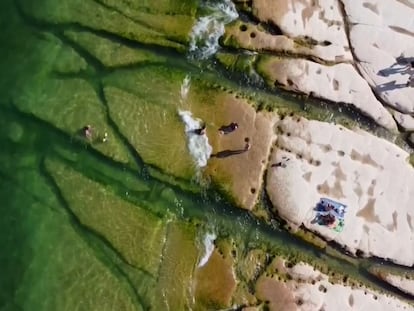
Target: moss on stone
136	234
175	281
310	238
110	53
154	130
92	15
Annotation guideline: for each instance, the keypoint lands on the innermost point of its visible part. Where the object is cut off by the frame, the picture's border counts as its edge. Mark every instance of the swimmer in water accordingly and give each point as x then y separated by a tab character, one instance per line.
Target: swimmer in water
201	130
87	131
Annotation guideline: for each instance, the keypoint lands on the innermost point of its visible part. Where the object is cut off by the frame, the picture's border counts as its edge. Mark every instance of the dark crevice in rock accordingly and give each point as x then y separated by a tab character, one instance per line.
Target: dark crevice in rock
270	26
387	287
101	95
97	243
347	26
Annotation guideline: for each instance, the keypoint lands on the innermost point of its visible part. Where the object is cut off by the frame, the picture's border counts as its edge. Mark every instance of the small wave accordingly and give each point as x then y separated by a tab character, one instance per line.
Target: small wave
198	145
185	87
208	29
208	243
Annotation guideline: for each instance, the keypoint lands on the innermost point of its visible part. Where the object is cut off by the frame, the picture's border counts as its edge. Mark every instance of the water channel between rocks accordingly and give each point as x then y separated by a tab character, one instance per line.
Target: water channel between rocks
100	226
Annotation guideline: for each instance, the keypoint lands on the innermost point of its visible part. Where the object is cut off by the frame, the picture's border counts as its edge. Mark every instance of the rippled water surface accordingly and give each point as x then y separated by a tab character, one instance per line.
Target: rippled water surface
91	225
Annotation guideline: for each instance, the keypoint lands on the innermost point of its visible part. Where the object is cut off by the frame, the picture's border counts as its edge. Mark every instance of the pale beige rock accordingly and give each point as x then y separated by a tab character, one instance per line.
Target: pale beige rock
406	285
323	294
304	271
368	174
317	293
252	37
382	31
319	21
406	121
338	83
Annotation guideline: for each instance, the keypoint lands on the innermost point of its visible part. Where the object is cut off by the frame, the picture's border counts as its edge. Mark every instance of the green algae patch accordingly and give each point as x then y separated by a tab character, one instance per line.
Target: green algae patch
155	131
66	274
170	7
238	63
166	18
180	255
69	105
47	263
93	15
136	234
68	61
111	53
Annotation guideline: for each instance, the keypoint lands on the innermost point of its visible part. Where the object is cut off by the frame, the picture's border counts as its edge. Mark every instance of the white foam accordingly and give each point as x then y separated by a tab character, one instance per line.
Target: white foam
185	87
208	243
208	29
198	145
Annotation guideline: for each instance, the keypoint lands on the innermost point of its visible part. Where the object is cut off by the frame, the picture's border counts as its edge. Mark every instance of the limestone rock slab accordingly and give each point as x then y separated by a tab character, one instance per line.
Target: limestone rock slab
406	121
381	32
368	174
252	37
303	287
319	22
338	83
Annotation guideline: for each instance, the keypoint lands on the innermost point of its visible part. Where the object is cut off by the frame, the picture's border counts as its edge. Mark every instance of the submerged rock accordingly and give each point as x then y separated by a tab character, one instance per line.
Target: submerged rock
120	223
111	53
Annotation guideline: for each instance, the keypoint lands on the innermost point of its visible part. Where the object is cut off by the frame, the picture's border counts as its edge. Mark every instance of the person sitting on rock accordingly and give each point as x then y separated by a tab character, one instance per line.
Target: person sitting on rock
227	129
327	220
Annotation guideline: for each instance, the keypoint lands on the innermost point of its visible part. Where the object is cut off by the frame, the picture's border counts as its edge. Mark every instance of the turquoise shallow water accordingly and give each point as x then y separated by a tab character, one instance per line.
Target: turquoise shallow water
62	247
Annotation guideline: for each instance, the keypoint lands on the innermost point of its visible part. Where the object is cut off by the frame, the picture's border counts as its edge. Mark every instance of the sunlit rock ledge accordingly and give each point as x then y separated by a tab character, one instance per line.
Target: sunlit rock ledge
309	289
377	46
381	36
371	176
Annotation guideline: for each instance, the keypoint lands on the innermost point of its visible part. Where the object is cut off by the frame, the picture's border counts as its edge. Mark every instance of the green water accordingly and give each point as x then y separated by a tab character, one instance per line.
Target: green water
85	226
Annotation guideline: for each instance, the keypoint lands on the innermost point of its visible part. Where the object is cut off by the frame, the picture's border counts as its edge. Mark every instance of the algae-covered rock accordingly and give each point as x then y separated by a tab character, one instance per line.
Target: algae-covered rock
93	15
154	130
172	18
174	287
69	105
135	233
111	53
68	61
47	263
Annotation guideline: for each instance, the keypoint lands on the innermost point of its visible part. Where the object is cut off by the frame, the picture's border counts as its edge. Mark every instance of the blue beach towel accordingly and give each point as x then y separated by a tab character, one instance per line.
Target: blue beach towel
338	210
